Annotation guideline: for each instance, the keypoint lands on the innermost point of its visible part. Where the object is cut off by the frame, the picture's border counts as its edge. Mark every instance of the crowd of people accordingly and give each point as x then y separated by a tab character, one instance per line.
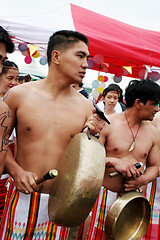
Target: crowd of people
43	117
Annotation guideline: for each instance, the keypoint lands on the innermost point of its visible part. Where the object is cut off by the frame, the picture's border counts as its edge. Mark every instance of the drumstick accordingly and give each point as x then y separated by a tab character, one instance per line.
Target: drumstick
137	165
100	113
49	175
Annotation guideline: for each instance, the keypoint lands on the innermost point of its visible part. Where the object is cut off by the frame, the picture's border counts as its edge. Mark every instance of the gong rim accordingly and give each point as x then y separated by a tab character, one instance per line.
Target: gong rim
128	217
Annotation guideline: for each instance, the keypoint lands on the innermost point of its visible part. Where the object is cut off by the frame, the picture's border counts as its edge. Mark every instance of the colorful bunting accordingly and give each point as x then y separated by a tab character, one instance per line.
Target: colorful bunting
32	49
129	69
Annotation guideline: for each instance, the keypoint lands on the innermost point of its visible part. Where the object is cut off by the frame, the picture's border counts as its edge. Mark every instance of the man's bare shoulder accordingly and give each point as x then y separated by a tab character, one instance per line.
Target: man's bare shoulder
116	117
81	100
113	121
78	95
19	91
116	120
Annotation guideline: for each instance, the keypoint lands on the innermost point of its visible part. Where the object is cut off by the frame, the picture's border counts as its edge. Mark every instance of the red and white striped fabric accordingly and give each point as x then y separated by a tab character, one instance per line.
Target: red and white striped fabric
153	196
26	217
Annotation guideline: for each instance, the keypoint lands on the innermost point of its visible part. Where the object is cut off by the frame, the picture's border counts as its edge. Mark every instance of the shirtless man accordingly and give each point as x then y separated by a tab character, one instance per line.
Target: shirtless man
132	139
6	46
47	114
128	139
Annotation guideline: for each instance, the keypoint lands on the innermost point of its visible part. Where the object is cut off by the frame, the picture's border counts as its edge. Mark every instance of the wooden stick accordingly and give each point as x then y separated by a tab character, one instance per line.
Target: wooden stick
137	165
49	175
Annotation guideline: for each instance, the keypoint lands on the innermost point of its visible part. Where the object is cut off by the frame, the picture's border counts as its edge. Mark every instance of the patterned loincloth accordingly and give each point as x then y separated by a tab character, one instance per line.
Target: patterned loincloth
3	191
26	217
3	182
99	212
153	196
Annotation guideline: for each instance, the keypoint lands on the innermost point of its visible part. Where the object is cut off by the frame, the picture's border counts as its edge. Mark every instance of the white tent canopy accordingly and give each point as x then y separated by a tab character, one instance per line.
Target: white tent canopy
37	29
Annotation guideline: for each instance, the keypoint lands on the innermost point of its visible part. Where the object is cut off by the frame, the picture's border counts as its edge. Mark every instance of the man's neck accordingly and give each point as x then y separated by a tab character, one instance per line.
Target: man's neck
132	116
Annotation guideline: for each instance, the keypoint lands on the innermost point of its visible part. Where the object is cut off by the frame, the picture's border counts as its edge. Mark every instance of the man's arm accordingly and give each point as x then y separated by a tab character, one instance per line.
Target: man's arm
5	124
24	180
152	167
126	169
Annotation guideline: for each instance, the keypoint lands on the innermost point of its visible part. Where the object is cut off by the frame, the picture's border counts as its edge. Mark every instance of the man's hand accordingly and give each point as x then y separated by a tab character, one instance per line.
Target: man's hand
133	184
25	182
126	169
95	123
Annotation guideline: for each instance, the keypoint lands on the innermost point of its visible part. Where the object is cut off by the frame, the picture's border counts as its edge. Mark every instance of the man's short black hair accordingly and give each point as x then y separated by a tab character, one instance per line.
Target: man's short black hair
5	38
64	39
144	90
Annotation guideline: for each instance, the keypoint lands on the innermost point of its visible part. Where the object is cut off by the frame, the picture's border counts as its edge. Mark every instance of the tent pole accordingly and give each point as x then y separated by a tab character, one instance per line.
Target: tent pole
146	73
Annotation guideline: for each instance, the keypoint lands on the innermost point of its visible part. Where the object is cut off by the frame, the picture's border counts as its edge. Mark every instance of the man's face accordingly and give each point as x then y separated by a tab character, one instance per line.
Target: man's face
3	54
73	62
149	110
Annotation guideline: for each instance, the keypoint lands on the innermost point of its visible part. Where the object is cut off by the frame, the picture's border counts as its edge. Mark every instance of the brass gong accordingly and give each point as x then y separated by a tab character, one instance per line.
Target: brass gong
128	218
80	176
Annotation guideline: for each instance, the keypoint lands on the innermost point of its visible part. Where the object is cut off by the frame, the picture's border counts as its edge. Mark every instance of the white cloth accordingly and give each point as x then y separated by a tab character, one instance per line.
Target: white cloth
118	108
27	216
13	135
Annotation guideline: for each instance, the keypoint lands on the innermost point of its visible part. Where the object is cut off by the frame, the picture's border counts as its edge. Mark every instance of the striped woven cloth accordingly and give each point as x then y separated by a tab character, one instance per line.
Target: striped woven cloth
26	217
153	196
3	191
3	188
99	212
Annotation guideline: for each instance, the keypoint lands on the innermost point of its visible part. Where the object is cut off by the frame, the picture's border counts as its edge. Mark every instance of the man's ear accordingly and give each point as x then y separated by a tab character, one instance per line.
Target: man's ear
55	56
138	103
